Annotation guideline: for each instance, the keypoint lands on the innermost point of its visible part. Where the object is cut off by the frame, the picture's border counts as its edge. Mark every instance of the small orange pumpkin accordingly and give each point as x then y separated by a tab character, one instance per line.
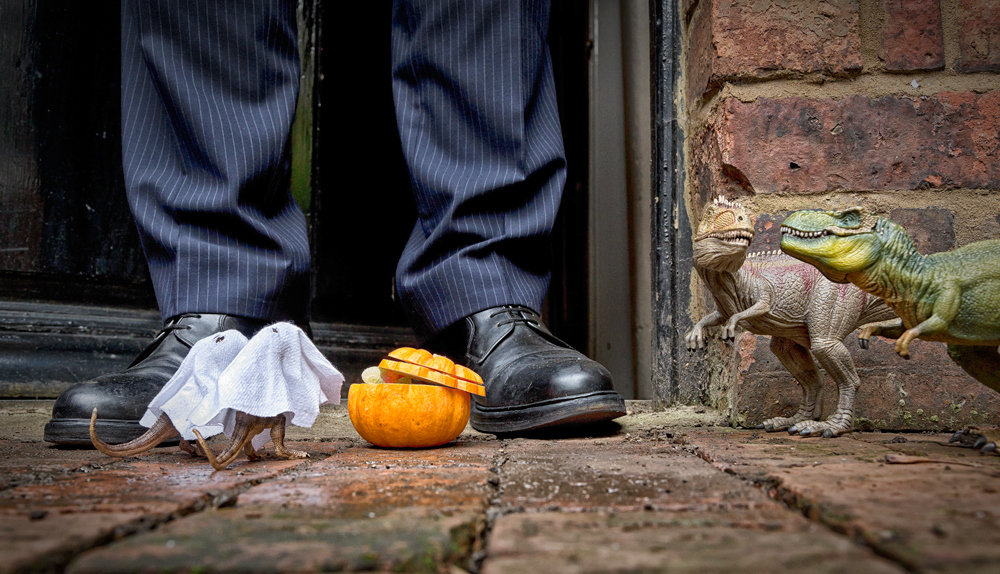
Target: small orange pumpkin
407	415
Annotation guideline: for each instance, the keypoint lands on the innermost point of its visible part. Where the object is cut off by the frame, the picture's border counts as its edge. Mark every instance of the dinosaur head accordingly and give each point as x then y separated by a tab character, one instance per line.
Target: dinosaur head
835	242
724	234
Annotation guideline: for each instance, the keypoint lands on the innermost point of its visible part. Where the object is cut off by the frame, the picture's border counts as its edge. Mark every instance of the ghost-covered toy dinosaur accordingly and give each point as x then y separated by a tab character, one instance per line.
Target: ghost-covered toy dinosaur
243	388
772	294
951	297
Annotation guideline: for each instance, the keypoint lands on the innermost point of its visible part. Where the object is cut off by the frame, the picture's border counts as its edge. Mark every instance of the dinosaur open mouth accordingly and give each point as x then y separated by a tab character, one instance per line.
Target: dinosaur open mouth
803	234
735	237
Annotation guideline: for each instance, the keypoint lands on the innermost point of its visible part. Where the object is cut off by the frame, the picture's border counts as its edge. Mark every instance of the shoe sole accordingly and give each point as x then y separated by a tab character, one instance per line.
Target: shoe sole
76	432
568	412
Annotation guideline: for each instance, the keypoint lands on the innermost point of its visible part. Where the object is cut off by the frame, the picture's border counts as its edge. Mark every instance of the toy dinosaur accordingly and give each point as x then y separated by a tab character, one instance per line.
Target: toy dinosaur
246	427
773	294
952	297
161	430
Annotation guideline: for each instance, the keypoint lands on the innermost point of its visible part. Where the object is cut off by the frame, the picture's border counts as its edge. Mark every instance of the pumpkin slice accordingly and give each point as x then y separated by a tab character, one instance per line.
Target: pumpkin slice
439	363
431	376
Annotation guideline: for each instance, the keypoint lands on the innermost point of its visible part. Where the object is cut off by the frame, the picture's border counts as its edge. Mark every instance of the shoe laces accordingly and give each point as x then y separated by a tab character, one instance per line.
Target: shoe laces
515	314
171	326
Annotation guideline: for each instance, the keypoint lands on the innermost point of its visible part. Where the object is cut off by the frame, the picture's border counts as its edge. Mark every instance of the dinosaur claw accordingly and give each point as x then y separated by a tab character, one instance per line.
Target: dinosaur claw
956	437
793	429
863	343
992	447
980	442
760	426
828	433
769	428
805	432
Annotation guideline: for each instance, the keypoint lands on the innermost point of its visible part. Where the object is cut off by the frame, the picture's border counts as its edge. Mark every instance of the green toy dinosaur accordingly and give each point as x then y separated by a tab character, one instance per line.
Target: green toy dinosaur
952	297
772	294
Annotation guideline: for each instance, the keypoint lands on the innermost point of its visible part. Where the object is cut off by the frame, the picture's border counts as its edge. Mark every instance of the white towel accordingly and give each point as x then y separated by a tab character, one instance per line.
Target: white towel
278	371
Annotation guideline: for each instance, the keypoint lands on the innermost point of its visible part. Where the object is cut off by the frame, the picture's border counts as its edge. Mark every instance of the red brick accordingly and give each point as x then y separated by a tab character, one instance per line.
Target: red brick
767	230
573	476
732	40
701	53
978	36
858	143
735	541
912	38
932	229
927	392
240	540
53	515
363	508
359	481
912	513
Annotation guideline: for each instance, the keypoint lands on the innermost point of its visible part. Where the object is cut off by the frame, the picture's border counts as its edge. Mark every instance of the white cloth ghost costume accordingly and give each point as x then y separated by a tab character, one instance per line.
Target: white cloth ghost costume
278	371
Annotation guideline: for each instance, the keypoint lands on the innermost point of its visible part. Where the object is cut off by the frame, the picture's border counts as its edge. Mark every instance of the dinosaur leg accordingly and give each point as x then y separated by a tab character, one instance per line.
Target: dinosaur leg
887	329
194	449
983	363
241	438
250	451
836	359
278	438
796	359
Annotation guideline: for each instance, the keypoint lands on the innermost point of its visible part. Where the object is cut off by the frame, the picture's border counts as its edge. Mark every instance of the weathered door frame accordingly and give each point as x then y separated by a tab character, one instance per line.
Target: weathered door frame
679	377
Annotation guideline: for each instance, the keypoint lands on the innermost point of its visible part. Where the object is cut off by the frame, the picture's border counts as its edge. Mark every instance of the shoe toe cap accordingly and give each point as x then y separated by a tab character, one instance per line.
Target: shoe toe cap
543	377
117	396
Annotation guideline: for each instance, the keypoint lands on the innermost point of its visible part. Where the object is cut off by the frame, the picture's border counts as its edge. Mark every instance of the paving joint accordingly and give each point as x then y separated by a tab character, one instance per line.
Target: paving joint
813	510
816	512
59	560
493	510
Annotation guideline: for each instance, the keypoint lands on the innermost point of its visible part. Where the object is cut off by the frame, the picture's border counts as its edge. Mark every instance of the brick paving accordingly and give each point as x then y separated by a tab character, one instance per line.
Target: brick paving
663	491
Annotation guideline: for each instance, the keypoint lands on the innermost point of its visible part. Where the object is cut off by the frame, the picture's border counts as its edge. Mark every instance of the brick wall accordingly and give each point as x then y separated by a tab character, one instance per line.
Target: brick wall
889	104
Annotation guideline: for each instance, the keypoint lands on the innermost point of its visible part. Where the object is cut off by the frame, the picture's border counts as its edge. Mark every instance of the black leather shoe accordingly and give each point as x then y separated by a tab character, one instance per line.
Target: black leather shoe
533	380
121	398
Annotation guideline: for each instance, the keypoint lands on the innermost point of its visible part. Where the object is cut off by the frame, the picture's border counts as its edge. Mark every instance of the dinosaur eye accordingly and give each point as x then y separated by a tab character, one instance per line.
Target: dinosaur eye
851	218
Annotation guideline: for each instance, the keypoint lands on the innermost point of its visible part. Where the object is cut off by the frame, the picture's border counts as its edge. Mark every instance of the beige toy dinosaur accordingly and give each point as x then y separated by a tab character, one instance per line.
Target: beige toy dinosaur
806	315
246	427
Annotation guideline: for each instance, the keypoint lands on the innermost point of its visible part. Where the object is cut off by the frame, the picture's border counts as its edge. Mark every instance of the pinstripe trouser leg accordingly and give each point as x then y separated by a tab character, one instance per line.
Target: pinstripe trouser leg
476	109
208	97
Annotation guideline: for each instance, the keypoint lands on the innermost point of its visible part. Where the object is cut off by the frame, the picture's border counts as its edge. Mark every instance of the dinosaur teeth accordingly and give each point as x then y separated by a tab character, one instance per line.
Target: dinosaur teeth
802	234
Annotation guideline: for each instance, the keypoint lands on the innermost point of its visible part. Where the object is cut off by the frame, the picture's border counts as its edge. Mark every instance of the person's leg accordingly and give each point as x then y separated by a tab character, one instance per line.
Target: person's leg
208	97
476	110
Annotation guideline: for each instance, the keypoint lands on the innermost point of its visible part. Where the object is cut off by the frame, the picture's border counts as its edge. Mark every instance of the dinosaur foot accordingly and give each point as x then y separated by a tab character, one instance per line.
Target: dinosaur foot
283	452
832	427
782	423
194	449
975	437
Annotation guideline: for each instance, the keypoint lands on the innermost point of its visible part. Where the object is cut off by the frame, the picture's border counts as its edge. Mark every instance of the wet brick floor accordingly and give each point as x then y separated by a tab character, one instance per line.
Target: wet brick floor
655	493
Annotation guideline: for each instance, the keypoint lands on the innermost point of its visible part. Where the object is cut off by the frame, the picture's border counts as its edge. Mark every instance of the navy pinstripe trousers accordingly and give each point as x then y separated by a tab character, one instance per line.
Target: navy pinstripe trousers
208	96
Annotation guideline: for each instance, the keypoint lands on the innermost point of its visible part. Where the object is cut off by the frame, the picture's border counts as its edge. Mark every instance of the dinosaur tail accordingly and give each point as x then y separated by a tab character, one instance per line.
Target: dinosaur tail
161	430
